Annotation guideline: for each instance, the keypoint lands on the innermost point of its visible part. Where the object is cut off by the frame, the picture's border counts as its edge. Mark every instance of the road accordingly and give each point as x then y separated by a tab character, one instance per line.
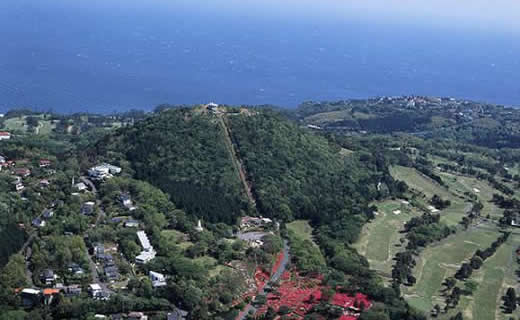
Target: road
274	277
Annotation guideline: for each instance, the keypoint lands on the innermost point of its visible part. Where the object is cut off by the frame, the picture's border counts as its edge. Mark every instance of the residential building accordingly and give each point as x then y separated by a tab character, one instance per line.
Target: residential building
87	208
97	292
47	213
72	290
30	297
47	277
4	135
44	163
158	279
131	224
81	186
22	172
38	223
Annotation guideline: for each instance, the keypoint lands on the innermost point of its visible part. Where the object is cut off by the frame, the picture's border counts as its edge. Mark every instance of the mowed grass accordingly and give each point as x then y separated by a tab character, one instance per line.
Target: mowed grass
493	278
379	239
423	184
442	260
480	188
302	228
19	124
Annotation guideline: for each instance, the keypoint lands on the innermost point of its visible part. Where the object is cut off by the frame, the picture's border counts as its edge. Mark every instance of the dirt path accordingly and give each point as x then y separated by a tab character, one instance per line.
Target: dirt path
236	160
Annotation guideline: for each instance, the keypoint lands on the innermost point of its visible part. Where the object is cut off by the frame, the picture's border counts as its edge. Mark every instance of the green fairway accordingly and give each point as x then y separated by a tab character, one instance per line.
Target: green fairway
379	240
480	188
442	260
423	184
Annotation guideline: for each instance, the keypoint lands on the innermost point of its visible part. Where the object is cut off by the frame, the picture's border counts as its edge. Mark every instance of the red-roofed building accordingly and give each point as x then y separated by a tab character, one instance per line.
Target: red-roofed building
44	163
4	135
23	172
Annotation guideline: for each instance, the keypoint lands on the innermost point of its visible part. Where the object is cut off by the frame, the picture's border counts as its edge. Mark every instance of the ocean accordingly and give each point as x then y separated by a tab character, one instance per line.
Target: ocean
114	55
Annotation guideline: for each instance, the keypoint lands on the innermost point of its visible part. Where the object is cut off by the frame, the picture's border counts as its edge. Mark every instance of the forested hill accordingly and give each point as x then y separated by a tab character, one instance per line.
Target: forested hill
183	152
466	121
292	172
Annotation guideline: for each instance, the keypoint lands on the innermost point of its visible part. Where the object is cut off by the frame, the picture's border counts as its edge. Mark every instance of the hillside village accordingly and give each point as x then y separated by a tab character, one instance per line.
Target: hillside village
99	235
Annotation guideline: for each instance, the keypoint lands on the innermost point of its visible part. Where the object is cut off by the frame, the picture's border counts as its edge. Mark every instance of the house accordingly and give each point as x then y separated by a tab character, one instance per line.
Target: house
97	292
4	135
143	240
44	183
126	200
75	269
131	224
81	186
48	277
44	163
2	159
99	251
137	316
18	186
111	272
72	290
30	297
177	314
38	223
158	279
49	294
47	213
23	172
87	208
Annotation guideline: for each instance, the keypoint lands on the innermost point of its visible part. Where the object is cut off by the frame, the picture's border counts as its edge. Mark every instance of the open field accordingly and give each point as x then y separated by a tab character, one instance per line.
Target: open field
302	228
442	260
423	184
19	124
493	278
379	240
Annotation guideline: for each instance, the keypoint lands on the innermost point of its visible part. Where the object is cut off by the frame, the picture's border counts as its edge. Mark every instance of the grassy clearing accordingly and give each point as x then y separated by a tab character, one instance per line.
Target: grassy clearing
302	228
19	124
379	240
442	260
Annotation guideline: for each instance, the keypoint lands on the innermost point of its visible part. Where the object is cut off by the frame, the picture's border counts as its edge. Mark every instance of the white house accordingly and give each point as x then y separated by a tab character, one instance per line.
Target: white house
158	279
95	290
80	186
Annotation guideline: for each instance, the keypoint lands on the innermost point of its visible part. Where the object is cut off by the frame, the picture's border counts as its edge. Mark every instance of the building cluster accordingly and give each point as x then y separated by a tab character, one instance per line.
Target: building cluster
103	171
110	269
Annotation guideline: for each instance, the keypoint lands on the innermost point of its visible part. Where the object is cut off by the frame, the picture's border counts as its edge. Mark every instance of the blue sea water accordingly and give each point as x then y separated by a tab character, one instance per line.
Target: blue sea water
114	55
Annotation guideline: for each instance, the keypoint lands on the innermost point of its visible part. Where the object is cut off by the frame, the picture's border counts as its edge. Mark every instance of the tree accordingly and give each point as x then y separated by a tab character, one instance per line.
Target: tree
510	300
470	286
